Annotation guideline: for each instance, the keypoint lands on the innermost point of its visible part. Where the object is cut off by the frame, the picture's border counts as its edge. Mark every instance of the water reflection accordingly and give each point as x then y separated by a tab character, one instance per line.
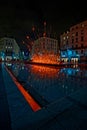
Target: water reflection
48	83
44	72
34	105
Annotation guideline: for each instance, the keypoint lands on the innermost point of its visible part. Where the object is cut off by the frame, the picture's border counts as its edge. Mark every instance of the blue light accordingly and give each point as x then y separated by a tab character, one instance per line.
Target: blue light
2	55
63	54
26	53
69	71
69	53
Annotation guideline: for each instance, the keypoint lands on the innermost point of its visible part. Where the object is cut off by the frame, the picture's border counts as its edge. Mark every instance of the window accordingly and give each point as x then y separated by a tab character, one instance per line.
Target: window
82	39
76	39
67	42
73	34
72	40
81	45
82	32
67	37
82	25
76	33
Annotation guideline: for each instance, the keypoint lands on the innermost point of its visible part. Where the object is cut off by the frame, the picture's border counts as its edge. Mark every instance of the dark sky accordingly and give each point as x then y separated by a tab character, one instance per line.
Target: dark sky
17	17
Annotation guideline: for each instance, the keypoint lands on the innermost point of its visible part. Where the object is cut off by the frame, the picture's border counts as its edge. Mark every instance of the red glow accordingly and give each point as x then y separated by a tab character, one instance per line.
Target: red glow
44	23
44	34
34	105
33	28
44	71
45	58
27	37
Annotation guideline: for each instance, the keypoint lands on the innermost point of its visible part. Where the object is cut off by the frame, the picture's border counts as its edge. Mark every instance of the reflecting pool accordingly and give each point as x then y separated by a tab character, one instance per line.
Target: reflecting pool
47	84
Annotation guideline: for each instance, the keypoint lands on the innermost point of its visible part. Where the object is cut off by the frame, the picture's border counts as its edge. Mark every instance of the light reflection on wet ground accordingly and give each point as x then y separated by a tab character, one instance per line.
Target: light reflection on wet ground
47	84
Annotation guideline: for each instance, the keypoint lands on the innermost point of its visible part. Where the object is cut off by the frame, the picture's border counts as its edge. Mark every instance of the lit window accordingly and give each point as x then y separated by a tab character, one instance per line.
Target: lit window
82	25
73	34
67	37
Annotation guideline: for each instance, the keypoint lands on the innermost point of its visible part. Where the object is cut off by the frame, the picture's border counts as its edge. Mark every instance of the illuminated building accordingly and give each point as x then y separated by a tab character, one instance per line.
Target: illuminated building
64	45
9	49
45	50
74	40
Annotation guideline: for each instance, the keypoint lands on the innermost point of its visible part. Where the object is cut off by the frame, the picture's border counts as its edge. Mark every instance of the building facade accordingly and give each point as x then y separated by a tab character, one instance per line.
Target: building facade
9	49
73	43
45	47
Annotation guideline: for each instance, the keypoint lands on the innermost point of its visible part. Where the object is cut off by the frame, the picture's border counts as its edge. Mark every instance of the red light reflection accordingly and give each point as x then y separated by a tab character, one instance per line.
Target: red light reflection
34	105
44	71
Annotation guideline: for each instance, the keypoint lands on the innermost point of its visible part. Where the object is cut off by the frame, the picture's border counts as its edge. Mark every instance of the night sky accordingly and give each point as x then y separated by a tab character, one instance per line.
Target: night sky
18	17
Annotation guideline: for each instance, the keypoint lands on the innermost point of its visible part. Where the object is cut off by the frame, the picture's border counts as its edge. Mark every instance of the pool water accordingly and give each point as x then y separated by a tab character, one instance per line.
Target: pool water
49	84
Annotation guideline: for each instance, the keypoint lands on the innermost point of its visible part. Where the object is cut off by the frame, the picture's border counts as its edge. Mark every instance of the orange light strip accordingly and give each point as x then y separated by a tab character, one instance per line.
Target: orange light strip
45	58
34	105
